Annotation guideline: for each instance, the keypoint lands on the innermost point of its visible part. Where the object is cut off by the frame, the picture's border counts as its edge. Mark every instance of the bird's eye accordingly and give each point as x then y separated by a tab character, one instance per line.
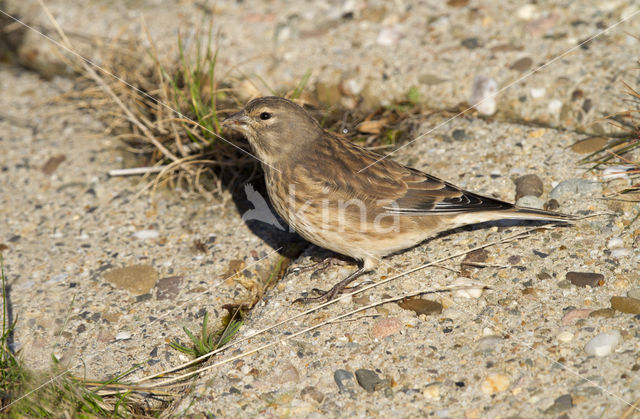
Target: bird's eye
265	115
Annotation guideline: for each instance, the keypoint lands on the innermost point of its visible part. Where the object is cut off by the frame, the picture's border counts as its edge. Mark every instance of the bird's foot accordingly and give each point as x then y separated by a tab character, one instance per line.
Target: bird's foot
340	287
318	266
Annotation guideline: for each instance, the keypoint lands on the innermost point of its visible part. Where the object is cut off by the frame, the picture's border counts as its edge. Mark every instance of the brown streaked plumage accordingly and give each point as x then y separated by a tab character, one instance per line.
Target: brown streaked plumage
313	182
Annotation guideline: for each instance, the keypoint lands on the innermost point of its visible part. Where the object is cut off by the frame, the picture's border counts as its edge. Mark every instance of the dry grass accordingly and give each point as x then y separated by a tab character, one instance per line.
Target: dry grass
618	162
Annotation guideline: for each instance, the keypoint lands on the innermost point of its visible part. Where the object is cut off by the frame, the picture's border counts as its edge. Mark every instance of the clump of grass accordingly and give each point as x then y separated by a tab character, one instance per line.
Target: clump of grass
25	393
619	157
171	118
208	341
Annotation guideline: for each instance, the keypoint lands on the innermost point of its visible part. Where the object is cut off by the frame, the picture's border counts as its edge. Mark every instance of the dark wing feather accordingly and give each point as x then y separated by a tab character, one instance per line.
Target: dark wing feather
397	188
427	194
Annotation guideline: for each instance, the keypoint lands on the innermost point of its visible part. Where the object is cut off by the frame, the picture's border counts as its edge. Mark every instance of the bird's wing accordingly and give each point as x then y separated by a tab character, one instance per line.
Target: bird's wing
389	185
426	194
412	192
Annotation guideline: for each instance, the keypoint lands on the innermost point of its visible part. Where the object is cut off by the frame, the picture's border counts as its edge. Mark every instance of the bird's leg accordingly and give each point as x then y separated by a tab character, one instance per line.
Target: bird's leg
337	288
319	266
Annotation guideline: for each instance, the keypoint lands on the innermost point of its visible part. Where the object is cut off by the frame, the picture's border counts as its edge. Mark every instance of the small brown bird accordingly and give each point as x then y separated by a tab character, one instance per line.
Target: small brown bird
314	183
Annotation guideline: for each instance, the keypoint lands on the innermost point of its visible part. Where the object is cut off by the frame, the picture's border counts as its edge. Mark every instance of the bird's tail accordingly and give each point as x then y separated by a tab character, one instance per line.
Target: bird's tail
512	213
520	213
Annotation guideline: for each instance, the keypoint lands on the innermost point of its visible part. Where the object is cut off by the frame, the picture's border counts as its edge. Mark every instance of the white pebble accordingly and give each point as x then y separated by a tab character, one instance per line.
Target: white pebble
57	278
483	92
554	106
467	289
565	336
527	12
538	92
621	252
388	36
353	86
123	336
146	234
603	343
615	242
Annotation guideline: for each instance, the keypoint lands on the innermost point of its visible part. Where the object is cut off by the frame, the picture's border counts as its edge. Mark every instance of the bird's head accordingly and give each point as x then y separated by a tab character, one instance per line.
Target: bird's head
275	127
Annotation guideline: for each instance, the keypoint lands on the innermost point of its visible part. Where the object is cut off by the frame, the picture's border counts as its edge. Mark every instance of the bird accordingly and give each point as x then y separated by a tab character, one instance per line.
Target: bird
350	200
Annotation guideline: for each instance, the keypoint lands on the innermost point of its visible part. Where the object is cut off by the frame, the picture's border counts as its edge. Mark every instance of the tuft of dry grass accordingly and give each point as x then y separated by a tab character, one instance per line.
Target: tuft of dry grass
620	157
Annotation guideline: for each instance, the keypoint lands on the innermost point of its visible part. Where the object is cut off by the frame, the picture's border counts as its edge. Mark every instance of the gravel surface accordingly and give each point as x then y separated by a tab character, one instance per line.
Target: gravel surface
546	324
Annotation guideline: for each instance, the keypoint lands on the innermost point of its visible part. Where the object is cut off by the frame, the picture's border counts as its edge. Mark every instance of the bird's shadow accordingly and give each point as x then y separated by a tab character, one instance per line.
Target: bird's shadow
254	206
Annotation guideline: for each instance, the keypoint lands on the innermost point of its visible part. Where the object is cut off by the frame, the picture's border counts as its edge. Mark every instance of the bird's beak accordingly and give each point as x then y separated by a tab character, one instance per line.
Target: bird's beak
236	121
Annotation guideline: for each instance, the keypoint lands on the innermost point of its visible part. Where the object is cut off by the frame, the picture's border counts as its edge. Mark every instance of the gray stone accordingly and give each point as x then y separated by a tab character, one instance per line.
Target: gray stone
575	187
345	381
530	201
368	380
561	404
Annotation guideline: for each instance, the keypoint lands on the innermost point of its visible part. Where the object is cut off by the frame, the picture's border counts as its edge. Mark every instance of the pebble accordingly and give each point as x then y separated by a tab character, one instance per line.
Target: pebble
470	43
345	381
527	12
389	36
634	293
605	313
459	134
146	234
477	256
483	93
169	287
572	187
137	279
369	380
386	327
603	343
530	201
554	106
495	383
589	145
123	336
58	278
551	205
565	336
312	393
585	279
429	79
621	252
528	185
52	164
538	92
421	306
614	243
489	343
626	304
286	373
432	391
561	404
575	314
468	289
523	64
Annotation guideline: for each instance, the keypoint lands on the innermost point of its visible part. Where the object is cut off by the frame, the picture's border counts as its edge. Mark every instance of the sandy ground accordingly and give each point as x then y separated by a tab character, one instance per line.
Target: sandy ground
518	349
